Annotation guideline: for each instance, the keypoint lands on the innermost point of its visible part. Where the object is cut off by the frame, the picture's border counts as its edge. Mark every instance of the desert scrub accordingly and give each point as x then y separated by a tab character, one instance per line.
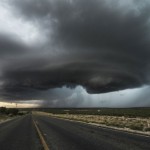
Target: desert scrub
141	124
3	117
137	126
147	129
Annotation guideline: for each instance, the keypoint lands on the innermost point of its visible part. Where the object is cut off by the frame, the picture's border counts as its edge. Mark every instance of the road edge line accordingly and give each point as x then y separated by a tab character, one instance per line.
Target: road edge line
44	144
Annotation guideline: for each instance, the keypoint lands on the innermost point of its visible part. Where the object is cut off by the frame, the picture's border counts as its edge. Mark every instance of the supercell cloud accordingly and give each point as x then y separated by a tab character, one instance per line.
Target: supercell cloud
100	45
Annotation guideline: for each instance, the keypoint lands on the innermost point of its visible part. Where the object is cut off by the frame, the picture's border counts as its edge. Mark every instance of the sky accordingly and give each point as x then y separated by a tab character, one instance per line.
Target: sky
73	53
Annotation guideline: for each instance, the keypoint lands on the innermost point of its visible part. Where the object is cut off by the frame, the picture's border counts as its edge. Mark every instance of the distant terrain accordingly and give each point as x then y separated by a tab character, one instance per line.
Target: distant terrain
128	112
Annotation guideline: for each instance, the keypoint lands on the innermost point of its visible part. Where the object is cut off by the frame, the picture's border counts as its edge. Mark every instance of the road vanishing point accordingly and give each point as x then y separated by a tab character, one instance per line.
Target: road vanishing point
39	132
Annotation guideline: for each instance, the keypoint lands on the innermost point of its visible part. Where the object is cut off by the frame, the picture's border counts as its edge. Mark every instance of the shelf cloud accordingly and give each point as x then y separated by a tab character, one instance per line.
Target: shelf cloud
101	45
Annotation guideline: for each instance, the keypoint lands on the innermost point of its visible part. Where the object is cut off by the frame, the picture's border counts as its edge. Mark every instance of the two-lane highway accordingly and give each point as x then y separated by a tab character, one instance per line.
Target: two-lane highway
59	134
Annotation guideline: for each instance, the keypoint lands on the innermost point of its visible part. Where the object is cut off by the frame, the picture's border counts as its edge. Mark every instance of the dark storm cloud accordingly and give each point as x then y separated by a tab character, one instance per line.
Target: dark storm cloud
9	45
100	45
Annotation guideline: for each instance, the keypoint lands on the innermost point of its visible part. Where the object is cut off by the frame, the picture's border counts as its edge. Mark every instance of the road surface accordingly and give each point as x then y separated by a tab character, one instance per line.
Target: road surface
67	135
21	134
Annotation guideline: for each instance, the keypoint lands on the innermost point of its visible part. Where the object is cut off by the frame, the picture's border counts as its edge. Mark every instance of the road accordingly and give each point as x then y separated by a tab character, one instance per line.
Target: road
20	134
67	135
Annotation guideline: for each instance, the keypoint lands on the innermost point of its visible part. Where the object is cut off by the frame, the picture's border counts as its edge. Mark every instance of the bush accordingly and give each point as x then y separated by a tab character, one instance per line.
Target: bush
3	110
147	129
8	111
13	111
137	127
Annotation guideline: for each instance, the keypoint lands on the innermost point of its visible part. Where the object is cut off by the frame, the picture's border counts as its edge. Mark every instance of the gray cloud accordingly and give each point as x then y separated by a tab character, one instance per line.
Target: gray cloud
100	45
10	46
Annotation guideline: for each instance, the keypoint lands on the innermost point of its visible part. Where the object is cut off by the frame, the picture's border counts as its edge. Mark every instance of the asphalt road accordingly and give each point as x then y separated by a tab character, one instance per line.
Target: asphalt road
67	135
21	134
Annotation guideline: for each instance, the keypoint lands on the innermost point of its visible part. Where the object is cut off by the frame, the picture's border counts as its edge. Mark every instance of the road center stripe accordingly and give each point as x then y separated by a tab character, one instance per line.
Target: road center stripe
41	137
